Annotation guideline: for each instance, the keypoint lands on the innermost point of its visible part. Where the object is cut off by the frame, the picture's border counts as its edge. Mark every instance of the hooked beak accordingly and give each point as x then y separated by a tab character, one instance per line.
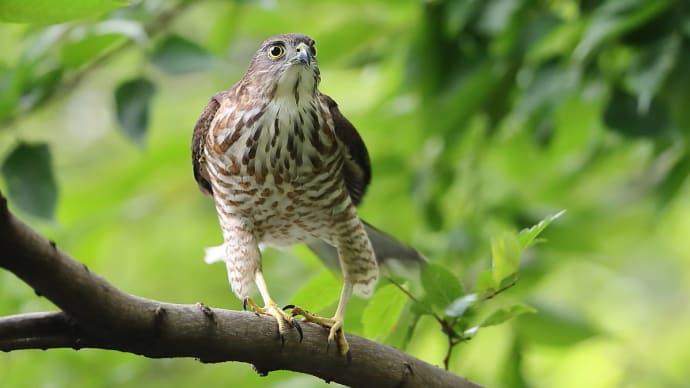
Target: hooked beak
303	56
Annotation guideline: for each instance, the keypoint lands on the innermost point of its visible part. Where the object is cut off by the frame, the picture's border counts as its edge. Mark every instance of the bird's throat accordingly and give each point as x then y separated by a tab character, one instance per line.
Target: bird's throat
297	85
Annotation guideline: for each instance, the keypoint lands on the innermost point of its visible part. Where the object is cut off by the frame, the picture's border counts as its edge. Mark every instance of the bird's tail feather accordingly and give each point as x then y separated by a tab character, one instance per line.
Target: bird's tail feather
390	253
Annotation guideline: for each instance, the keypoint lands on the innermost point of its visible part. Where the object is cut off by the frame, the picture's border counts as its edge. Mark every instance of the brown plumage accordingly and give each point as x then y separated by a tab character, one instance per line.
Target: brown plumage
285	166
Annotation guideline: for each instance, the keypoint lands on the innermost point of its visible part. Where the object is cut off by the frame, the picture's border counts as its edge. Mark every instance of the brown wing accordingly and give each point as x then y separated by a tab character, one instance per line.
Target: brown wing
201	129
357	169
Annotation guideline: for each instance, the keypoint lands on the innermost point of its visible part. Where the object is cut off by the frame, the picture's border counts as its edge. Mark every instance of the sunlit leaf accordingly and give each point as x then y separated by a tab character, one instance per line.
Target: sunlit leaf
28	174
440	285
527	236
49	11
176	55
458	307
320	292
504	314
132	101
383	311
505	256
484	282
471	332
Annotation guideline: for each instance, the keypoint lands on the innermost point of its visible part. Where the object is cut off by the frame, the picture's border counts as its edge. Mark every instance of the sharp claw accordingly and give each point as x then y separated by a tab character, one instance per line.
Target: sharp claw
297	326
244	304
348	357
289	306
282	341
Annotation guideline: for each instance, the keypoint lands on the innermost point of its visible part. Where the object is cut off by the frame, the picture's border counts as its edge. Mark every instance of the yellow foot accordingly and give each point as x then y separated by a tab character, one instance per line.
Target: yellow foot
335	325
285	321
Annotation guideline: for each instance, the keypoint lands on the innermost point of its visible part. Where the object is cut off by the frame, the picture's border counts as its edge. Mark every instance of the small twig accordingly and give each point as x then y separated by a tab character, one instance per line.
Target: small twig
494	293
446	326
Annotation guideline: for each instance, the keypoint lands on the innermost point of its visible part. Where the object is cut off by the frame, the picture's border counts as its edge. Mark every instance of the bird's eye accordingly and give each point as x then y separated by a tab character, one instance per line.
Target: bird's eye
276	51
312	51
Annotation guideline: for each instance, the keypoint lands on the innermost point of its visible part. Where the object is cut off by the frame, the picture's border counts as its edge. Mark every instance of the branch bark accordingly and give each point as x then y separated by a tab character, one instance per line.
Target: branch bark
95	314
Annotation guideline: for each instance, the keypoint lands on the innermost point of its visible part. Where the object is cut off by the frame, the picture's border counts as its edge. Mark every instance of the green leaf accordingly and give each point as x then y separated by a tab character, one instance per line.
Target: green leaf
422	307
614	18
440	285
501	315
41	87
460	305
28	174
178	55
527	236
628	116
675	180
132	100
50	11
651	69
320	292
554	327
87	49
505	256
87	43
383	311
485	282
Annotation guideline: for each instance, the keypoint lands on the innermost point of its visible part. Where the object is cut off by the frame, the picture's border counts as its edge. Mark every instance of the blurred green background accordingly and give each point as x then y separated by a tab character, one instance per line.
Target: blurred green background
481	118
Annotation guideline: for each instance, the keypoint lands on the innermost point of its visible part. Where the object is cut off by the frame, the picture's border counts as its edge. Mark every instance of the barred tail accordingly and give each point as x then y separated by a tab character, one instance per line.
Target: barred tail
390	253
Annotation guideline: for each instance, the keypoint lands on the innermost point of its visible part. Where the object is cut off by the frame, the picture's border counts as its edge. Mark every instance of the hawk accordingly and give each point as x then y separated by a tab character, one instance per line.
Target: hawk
284	166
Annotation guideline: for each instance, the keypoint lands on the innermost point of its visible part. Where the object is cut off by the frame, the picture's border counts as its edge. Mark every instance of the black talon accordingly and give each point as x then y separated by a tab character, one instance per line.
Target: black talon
297	326
289	306
244	304
348	356
282	341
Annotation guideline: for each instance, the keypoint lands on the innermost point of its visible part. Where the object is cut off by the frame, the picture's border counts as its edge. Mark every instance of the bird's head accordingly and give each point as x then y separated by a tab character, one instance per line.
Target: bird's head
285	67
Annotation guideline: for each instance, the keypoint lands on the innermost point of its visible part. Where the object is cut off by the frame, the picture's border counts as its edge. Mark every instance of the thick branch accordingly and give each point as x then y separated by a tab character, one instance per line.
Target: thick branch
98	315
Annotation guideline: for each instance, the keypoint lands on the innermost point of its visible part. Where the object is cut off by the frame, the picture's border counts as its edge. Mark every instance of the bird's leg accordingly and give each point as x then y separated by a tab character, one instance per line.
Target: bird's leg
285	321
335	324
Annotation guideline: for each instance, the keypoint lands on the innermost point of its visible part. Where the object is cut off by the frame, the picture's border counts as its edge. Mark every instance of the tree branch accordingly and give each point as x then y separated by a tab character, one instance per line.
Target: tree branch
95	314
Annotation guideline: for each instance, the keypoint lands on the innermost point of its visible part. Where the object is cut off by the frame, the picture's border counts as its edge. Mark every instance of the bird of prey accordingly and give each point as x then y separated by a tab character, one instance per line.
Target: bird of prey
284	166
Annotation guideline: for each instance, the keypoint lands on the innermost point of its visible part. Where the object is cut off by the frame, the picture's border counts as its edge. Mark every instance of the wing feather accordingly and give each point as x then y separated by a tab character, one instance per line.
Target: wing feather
203	125
357	169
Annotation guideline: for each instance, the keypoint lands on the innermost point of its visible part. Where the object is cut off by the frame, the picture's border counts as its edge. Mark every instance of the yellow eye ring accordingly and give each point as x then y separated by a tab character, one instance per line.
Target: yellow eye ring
276	51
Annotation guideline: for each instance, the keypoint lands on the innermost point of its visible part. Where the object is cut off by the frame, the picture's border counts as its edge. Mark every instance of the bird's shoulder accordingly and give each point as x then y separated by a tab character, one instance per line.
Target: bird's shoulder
201	129
357	168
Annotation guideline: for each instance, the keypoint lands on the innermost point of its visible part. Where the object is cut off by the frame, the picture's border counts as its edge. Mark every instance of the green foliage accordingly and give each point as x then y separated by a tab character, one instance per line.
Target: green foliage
28	173
132	100
481	118
47	11
440	285
177	55
459	312
318	293
382	312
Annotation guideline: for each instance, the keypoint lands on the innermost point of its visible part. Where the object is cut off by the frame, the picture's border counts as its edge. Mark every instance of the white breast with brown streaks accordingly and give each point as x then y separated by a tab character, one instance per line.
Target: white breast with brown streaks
277	168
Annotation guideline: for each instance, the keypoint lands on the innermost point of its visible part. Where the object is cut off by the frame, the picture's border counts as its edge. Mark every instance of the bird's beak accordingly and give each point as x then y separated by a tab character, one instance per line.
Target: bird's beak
303	56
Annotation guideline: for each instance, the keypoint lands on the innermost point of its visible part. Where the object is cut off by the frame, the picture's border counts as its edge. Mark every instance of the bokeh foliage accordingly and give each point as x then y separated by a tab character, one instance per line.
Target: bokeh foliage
482	118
